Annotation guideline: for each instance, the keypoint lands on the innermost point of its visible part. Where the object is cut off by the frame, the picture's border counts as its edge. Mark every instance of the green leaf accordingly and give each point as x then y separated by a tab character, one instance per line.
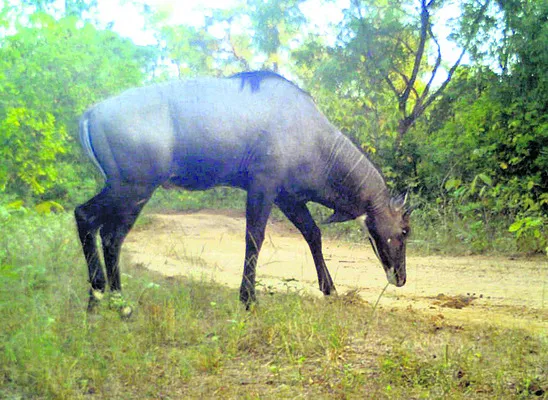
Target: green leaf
15	205
486	179
516	226
452	184
47	207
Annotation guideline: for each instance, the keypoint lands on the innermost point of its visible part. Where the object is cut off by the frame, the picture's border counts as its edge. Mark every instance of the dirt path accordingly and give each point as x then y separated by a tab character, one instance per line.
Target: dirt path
210	245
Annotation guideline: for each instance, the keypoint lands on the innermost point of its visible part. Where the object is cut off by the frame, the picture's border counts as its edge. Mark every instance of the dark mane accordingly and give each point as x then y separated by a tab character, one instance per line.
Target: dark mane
254	78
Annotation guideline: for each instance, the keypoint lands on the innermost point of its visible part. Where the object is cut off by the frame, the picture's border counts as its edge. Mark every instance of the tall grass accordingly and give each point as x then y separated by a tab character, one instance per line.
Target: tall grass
192	339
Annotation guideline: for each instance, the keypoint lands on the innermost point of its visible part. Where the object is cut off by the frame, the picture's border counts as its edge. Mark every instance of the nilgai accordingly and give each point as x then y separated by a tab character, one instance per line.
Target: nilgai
256	131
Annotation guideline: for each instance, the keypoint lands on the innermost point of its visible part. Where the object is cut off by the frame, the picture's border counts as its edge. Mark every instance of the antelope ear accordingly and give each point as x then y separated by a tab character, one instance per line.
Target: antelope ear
410	209
397	203
408	212
338	216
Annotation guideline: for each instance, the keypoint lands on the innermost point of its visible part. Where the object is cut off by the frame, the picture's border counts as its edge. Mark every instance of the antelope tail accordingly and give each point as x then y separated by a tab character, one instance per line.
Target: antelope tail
85	140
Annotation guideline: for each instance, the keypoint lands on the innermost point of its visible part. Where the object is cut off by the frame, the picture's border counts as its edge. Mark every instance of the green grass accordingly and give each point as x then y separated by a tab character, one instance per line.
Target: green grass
182	200
192	339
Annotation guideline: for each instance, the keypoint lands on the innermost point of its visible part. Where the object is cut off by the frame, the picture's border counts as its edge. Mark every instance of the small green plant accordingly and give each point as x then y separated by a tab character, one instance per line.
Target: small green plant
530	233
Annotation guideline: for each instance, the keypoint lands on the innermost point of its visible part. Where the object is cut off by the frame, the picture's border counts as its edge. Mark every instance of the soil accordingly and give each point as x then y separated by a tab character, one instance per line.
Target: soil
209	245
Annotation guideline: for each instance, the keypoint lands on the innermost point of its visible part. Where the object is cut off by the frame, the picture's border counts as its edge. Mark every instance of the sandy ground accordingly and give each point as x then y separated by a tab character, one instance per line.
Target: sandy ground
209	245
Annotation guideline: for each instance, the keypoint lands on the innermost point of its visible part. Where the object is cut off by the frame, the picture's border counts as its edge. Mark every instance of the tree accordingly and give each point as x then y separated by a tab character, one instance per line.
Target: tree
257	35
189	48
66	8
274	24
491	127
51	70
391	46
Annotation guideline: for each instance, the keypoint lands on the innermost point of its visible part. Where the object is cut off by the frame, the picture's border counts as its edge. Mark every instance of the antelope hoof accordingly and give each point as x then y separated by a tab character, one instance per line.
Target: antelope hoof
95	297
126	312
117	302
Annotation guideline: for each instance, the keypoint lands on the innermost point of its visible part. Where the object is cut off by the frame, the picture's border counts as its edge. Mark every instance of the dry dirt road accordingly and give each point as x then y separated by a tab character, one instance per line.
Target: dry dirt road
209	245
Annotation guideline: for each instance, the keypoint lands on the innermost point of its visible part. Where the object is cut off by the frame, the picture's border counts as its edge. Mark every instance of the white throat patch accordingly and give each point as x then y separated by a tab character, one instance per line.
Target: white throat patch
371	240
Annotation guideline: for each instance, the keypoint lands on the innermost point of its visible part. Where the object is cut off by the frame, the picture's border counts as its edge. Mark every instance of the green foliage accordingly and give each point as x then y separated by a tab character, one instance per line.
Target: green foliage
480	131
66	8
52	70
182	200
250	35
531	233
29	144
189	48
274	24
475	157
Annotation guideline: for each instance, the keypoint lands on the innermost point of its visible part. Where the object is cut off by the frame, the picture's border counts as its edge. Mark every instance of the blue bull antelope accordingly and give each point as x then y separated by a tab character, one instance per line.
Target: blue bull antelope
255	131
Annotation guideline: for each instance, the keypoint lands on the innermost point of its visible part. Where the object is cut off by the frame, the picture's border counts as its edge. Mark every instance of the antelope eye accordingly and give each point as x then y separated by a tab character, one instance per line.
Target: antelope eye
404	232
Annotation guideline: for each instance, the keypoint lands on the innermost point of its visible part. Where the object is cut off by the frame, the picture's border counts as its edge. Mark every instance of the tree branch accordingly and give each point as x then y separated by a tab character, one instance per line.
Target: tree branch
434	69
399	40
421	104
238	57
391	85
425	18
357	5
406	80
451	72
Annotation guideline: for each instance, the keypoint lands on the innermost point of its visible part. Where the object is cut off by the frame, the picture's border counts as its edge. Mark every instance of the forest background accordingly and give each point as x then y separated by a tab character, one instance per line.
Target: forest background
466	133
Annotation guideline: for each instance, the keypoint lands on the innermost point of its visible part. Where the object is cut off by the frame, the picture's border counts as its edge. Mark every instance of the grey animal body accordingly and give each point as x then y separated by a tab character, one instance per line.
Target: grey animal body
255	131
